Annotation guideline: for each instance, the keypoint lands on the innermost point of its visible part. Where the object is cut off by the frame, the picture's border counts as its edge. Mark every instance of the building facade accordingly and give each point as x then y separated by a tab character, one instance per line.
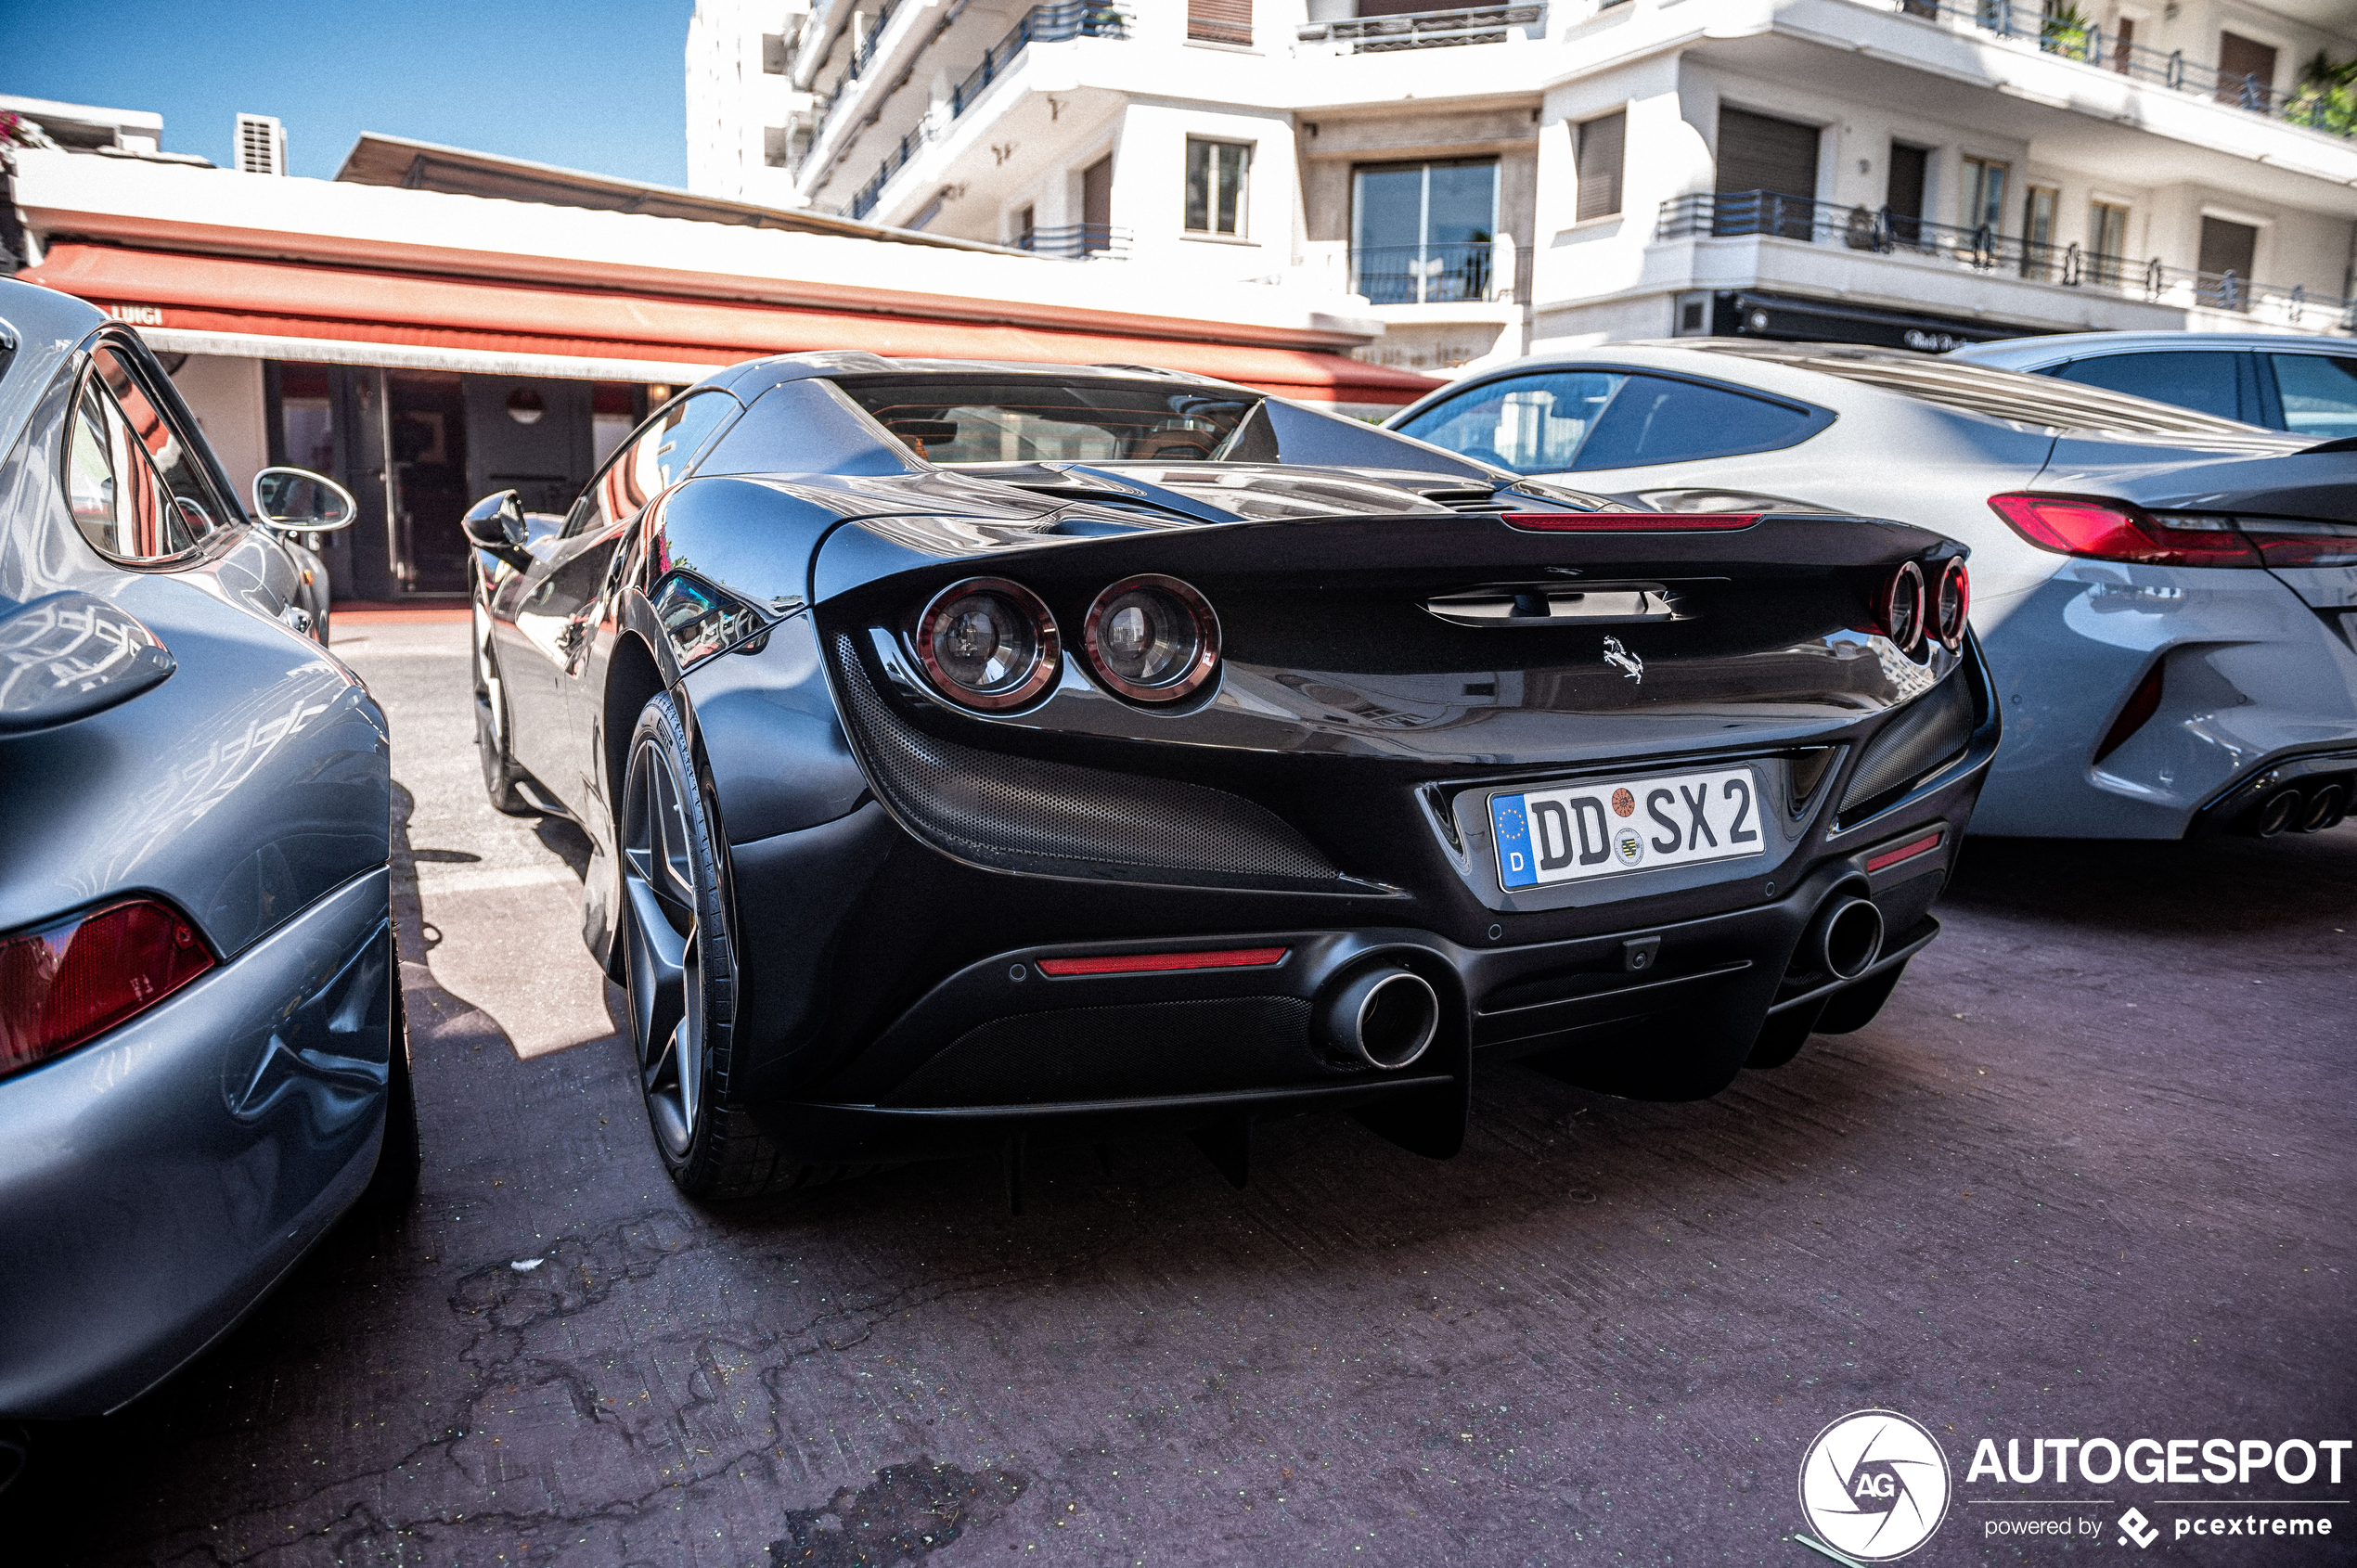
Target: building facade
1497	177
435	325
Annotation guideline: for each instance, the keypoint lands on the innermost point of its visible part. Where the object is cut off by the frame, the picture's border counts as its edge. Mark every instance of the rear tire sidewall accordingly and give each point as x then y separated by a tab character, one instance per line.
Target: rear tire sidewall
494	728
660	732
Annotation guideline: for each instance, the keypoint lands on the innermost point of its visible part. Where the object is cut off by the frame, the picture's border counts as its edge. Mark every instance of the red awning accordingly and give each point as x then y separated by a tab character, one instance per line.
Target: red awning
290	299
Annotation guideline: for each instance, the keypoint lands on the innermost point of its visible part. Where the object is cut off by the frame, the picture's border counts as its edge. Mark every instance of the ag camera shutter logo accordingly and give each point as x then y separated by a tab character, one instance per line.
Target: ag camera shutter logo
1874	1486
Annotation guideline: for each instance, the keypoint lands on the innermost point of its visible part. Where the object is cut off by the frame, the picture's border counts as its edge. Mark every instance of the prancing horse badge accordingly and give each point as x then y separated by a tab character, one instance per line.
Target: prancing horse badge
1622	659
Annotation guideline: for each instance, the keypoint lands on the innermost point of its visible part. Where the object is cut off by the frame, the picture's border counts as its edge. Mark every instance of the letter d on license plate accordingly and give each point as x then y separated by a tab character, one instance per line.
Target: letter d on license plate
1597	829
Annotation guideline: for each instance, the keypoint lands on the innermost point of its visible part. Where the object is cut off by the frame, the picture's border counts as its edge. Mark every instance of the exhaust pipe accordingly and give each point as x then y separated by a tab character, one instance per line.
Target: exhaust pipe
2325	807
1385	1018
2276	815
1846	937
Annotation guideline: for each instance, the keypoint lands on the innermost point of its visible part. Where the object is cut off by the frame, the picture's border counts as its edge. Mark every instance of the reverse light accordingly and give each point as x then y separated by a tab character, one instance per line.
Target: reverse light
2291	541
2110	529
1902	607
1152	639
1629	523
75	979
989	643
1951	604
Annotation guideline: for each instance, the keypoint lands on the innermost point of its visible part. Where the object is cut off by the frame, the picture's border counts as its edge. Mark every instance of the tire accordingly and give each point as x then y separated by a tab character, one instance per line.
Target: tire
401	1158
493	728
1855	1007
680	971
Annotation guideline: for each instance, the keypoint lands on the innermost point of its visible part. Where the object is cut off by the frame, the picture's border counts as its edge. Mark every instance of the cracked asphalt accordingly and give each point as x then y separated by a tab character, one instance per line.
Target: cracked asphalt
2090	1171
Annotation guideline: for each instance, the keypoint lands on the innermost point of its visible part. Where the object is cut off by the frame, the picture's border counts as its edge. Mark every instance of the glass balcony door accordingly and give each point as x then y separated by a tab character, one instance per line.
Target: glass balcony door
1422	232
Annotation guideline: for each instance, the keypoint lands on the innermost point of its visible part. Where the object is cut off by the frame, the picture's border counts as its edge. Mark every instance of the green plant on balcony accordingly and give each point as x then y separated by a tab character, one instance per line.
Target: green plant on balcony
2065	31
2326	95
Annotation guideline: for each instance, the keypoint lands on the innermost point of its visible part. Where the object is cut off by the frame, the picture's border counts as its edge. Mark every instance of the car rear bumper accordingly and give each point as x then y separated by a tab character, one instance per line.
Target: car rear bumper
2248	675
156	1183
1003	1050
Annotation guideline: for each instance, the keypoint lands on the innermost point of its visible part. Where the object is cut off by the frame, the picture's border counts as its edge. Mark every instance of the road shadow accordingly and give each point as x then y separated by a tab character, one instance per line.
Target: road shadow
2180	888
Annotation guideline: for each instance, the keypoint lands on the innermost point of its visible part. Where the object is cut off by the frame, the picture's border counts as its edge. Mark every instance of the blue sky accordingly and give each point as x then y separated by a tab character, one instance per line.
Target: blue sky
593	84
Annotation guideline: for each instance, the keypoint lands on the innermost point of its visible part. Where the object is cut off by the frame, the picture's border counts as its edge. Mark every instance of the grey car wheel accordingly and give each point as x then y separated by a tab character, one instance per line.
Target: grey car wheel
679	963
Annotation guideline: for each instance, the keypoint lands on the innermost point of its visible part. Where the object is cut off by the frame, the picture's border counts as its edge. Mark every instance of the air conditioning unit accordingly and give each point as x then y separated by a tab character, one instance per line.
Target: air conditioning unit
262	145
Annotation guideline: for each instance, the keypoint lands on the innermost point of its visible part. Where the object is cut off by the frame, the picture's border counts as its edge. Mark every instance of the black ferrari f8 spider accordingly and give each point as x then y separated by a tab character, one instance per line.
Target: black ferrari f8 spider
976	754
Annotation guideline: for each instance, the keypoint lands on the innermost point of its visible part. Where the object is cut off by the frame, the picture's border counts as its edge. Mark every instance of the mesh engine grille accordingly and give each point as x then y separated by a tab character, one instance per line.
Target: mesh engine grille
1933	729
1124	1052
1023	815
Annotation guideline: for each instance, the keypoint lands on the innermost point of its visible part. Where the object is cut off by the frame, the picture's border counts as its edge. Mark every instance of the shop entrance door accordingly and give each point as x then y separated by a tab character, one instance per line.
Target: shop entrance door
458	438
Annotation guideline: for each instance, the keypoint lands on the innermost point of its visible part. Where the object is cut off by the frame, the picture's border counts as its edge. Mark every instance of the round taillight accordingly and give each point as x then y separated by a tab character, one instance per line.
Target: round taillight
1951	604
1902	607
989	643
1152	639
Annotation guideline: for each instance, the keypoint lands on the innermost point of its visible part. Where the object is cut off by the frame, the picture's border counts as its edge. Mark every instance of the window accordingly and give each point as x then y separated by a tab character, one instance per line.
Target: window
136	489
657	458
1096	206
1025	224
1984	194
1597	163
1050	421
1904	191
1219	22
776	146
2200	380
1773	163
1216	174
773	54
2108	239
1559	421
2227	253
2246	71
2038	232
2319	393
1420	233
2123	53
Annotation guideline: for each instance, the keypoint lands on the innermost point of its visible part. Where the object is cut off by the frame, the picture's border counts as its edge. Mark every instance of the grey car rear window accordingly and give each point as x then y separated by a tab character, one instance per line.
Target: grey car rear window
2042	402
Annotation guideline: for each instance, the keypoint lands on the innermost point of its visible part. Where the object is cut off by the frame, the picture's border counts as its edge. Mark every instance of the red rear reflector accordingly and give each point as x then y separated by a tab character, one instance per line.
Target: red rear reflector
1160	963
2086	525
79	977
1629	523
2143	703
2299	541
1907	851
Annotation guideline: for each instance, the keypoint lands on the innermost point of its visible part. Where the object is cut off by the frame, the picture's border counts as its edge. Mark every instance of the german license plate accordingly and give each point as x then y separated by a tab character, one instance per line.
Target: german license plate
1601	828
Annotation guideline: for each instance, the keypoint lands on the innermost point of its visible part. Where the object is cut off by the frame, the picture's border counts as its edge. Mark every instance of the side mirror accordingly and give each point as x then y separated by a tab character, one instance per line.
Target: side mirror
495	523
298	501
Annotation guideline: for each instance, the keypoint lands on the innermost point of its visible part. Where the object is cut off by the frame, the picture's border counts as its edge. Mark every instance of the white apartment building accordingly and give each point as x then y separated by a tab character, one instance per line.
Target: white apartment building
1498	177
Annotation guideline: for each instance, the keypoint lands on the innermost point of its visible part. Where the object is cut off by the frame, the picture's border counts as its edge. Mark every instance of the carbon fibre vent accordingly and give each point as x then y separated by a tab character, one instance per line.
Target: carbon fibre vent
1203	1047
1468	500
1927	734
1018	813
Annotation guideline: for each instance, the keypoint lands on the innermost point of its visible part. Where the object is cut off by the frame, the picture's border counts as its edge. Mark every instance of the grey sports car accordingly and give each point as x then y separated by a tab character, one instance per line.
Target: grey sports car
199	1008
2168	599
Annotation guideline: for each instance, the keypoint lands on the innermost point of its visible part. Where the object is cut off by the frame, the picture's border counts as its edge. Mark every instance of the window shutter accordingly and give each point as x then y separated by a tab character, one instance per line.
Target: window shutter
1599	162
1219	22
1759	152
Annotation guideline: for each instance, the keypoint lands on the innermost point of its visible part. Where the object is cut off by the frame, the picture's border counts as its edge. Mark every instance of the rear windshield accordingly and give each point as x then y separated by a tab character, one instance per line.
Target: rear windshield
944	421
2012	395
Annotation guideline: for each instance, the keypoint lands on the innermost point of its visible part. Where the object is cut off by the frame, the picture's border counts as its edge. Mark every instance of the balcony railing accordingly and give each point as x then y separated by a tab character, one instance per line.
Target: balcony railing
1422	29
2315	107
1434	275
1041	24
1076	241
1984	250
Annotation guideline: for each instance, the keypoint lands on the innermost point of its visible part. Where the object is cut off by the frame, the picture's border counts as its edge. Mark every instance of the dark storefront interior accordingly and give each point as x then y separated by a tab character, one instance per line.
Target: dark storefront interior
417	447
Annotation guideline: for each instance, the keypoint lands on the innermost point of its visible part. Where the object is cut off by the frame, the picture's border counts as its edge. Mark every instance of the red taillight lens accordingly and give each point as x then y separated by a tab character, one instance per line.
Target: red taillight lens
1902	607
1951	604
66	983
1164	963
2084	525
2143	703
1629	523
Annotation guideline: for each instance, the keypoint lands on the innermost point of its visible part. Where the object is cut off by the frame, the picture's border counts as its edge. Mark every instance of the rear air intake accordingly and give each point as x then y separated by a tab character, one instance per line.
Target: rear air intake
1927	734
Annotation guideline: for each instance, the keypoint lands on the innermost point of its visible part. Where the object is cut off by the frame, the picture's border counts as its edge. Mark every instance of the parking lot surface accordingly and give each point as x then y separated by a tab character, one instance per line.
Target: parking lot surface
2090	1171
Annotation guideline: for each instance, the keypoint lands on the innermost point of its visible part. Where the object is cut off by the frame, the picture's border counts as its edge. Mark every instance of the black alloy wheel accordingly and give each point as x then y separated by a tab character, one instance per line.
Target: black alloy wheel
680	972
492	729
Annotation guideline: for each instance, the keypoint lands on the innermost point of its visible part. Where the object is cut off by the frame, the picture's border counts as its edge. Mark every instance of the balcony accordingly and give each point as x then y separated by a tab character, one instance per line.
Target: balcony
1041	24
1770	214
1423	29
1076	242
1477	271
2316	107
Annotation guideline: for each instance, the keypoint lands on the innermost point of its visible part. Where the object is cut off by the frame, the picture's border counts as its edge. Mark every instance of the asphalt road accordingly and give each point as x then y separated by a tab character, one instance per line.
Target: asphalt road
2090	1171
